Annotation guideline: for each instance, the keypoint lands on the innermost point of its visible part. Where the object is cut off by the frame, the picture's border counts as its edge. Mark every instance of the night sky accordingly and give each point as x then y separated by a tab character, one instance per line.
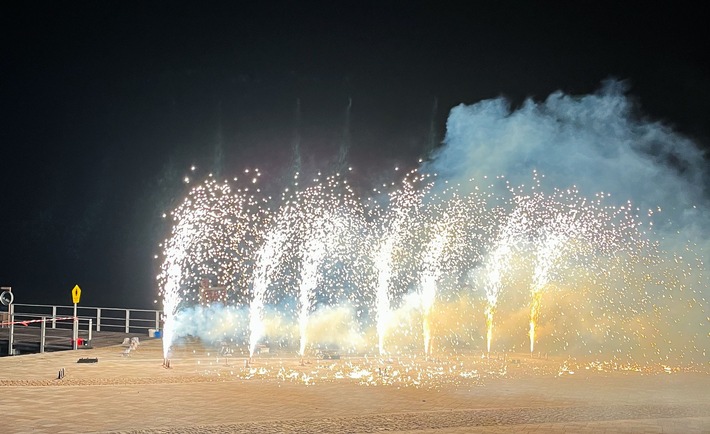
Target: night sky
106	105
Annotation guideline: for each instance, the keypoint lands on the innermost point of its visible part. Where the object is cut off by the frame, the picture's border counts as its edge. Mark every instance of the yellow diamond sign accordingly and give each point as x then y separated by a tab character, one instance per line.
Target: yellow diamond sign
76	293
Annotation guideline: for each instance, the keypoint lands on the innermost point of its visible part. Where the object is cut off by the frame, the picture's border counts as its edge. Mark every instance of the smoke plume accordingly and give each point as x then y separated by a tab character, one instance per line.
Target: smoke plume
598	143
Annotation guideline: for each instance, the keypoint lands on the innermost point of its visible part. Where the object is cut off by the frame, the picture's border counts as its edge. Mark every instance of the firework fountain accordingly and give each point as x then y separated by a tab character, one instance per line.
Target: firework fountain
399	219
327	223
430	274
510	235
267	260
214	232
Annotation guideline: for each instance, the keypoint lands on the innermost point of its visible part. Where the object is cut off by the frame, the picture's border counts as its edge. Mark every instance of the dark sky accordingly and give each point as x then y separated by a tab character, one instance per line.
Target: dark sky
106	105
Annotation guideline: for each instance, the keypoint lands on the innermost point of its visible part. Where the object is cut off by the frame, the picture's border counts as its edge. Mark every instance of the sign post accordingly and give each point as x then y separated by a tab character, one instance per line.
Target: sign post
6	298
75	295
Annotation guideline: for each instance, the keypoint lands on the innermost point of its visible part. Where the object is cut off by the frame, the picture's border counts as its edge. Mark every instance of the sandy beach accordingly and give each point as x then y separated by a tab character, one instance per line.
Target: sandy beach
204	391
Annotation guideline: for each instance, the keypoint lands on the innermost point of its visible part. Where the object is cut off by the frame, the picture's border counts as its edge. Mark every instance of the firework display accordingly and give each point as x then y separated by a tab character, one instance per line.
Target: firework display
423	267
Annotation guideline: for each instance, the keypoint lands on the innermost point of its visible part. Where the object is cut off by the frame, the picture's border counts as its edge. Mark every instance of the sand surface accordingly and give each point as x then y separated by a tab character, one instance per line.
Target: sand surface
204	391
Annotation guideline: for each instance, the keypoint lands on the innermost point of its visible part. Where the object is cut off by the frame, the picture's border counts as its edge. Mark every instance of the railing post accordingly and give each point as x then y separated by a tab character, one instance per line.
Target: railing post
157	320
98	319
43	334
54	317
91	320
11	311
128	320
75	330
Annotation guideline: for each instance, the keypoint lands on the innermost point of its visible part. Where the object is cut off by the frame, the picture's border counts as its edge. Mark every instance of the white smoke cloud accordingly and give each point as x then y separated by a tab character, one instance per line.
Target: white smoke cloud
595	142
212	323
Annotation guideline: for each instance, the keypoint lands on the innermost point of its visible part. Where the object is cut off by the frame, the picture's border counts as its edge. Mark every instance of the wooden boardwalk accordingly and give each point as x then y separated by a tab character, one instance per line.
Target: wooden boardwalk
27	339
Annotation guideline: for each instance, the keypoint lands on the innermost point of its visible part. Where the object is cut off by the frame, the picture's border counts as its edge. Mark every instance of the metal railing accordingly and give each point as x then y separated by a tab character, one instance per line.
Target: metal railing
41	316
107	318
23	328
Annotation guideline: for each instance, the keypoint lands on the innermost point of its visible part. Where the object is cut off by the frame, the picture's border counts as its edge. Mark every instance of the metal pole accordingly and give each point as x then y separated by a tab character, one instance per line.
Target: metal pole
157	320
128	320
76	329
91	320
98	319
54	317
43	334
11	311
